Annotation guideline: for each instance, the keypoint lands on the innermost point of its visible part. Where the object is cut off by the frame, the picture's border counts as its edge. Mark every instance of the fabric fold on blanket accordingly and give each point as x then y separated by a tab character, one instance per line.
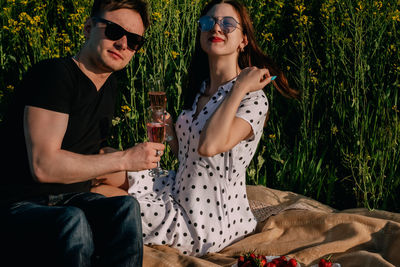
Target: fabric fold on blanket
300	227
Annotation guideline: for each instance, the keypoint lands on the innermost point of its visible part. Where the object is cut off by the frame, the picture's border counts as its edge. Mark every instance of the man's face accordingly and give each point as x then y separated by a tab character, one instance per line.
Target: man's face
111	55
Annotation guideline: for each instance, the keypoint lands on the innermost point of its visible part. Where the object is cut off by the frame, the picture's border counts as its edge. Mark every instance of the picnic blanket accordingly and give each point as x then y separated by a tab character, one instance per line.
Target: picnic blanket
293	225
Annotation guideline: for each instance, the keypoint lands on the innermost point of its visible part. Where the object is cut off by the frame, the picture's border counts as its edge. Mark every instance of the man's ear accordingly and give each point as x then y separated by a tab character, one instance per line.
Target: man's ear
88	28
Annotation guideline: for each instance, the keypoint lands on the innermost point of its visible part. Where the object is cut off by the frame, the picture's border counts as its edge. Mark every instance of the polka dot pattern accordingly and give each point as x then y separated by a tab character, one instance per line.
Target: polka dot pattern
203	206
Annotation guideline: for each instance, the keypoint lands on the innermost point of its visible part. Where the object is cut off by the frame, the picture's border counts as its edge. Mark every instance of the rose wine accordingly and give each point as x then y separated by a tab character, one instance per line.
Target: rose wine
156	131
158	99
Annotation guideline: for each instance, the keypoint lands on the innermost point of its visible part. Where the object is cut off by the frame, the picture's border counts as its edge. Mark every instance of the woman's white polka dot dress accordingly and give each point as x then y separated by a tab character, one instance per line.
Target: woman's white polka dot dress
202	207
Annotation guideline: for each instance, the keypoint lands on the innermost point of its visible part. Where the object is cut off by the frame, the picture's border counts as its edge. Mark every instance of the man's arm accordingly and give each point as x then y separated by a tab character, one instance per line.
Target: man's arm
44	132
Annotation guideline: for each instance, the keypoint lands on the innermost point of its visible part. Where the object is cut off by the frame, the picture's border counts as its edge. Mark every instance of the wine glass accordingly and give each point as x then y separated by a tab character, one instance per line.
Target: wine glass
155	124
157	95
158	98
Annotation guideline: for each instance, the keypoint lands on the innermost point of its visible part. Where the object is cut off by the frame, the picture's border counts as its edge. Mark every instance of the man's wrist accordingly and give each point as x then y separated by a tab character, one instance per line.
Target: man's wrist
121	160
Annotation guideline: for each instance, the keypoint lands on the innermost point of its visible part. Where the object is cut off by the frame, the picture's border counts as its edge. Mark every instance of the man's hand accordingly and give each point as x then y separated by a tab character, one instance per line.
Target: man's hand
143	156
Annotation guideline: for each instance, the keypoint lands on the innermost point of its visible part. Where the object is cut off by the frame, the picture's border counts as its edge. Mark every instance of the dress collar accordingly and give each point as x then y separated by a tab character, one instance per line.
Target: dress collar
225	87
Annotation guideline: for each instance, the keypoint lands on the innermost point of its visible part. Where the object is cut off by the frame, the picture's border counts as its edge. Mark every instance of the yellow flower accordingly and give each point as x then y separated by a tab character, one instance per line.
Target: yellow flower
10	87
174	54
396	15
157	16
300	8
125	109
268	36
360	7
167	34
80	10
304	20
272	136
395	108
60	9
314	80
334	130
378	4
36	19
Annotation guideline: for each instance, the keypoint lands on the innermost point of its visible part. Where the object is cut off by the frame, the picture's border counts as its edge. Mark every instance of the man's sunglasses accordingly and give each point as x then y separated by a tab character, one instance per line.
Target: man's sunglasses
115	32
227	24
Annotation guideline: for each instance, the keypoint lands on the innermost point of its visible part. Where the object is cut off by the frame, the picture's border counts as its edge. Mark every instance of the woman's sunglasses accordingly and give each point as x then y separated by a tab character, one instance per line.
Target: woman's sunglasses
115	32
227	24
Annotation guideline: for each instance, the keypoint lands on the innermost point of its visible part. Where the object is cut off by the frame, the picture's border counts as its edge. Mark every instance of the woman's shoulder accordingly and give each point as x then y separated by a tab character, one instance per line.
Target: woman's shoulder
256	95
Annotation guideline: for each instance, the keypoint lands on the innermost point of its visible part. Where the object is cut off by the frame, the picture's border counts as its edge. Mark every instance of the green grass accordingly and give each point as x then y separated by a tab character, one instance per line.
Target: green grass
339	144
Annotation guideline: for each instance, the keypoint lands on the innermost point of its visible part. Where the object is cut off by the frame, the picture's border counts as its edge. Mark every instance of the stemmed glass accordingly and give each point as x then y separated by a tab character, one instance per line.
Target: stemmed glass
155	124
157	95
158	98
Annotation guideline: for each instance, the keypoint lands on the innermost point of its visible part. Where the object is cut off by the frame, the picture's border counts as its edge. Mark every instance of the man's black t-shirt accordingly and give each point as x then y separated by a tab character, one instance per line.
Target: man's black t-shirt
56	85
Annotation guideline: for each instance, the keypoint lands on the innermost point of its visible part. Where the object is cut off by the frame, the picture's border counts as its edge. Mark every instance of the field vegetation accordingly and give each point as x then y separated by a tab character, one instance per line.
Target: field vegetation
339	144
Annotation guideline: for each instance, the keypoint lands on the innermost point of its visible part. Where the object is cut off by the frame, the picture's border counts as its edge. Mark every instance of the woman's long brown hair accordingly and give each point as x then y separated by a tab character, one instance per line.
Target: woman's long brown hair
251	56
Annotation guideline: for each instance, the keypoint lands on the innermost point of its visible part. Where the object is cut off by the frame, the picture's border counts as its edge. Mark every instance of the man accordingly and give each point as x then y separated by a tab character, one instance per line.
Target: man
52	138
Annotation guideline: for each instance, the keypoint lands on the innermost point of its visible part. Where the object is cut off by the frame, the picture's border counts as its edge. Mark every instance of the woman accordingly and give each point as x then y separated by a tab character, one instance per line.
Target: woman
203	207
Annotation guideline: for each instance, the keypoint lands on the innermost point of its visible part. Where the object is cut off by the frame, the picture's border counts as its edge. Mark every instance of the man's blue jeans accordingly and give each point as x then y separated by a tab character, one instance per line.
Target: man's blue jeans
74	229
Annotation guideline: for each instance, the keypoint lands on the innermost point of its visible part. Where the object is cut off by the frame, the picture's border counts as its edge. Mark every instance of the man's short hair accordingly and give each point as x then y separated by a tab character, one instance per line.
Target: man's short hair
140	6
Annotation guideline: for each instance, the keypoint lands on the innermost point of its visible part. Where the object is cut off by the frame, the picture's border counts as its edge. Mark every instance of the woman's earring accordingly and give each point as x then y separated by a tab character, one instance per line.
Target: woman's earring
242	49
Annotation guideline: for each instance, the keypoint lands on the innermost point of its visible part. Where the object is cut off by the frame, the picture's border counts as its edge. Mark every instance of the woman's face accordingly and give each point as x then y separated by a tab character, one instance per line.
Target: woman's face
217	43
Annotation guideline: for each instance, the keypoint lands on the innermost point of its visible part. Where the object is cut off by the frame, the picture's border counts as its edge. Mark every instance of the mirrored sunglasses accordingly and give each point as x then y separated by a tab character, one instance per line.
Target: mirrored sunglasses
115	32
227	24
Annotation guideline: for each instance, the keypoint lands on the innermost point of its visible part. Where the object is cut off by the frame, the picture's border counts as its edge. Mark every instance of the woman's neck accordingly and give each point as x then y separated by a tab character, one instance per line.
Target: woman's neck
222	70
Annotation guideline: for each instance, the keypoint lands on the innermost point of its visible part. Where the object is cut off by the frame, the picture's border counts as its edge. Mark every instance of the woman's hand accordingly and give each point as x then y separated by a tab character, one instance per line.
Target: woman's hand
252	79
170	135
169	127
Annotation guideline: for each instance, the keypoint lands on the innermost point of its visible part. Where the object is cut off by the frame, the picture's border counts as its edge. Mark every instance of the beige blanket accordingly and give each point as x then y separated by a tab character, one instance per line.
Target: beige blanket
293	225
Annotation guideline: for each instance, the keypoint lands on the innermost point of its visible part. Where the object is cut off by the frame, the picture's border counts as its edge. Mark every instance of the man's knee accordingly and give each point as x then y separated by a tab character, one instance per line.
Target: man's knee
130	208
130	203
75	234
124	204
72	220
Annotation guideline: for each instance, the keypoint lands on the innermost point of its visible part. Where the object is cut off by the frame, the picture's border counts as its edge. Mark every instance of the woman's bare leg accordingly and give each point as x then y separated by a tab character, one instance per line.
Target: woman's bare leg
108	190
117	179
113	184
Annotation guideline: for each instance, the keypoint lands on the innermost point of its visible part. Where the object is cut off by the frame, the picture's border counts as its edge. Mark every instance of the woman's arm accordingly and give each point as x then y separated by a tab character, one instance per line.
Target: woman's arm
224	130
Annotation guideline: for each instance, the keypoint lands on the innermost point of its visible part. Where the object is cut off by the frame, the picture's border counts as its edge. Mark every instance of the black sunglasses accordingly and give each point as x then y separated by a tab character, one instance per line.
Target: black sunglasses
115	32
227	24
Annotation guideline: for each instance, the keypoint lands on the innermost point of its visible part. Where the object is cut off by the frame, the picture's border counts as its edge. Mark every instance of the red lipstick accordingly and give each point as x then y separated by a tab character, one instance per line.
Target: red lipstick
215	39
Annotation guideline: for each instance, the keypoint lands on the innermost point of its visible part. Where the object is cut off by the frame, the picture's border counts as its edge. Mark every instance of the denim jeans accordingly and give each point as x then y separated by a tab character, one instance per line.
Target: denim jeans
74	229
